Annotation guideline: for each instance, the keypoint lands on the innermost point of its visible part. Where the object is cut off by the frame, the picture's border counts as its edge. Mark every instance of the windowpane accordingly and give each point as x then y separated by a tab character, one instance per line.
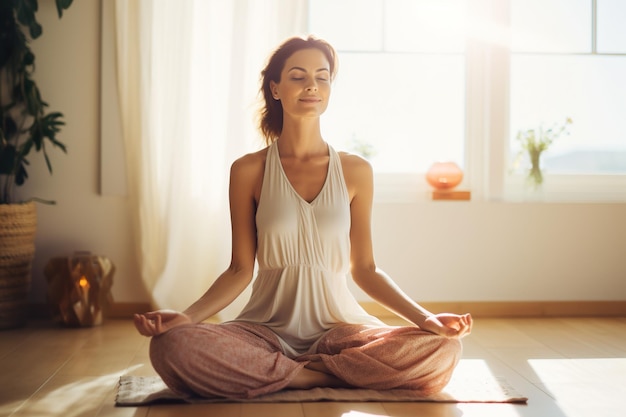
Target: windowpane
425	26
590	90
403	110
348	24
611	26
407	108
559	26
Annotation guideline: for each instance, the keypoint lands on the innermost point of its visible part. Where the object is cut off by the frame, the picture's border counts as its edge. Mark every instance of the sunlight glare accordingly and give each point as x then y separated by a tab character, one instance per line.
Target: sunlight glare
568	382
80	397
554	372
488	32
354	413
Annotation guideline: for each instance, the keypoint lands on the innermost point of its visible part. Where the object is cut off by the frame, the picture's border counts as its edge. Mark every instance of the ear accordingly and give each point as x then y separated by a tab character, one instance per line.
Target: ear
274	90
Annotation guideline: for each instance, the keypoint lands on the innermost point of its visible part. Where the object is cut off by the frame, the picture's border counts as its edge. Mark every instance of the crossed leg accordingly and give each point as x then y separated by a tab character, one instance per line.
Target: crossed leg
242	360
387	357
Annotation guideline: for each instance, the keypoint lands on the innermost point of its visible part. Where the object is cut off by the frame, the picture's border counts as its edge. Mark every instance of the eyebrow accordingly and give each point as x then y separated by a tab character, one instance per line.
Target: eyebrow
303	70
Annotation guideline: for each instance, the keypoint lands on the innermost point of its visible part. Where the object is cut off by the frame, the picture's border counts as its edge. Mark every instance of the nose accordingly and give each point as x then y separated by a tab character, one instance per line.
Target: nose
312	85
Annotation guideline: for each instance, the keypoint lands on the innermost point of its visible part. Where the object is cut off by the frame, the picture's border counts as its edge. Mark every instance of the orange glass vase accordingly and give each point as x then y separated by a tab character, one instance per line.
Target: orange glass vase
444	175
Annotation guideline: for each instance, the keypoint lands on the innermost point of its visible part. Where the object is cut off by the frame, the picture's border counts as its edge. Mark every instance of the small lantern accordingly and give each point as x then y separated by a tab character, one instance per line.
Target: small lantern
79	288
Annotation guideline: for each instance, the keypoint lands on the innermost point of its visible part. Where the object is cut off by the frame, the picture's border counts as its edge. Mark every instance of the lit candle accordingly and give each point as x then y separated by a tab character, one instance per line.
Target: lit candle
84	288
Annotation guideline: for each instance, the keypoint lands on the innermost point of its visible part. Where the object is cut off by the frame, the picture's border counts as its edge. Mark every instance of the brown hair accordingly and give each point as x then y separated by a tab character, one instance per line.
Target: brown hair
271	112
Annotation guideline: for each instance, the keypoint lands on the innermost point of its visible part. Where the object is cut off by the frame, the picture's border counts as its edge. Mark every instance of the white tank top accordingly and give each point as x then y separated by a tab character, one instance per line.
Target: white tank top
303	252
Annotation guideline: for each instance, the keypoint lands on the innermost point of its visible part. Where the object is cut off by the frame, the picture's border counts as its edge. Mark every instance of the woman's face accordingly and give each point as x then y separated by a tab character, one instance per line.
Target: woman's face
304	87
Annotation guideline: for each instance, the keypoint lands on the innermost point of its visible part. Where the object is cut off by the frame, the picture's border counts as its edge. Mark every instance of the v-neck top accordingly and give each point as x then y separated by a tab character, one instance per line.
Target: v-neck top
303	253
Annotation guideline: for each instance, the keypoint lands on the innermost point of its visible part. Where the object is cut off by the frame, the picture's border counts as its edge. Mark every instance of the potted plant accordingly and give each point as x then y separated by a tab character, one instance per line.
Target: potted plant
25	125
536	141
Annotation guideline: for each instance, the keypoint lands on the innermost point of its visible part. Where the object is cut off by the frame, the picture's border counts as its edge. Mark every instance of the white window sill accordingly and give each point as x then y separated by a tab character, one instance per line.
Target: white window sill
568	188
407	188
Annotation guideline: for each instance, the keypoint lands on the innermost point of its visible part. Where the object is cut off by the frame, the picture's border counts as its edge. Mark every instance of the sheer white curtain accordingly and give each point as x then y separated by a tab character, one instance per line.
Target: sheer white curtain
188	79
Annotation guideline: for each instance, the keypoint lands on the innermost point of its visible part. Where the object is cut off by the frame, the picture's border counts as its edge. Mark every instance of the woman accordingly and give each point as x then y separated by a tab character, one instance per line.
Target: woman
303	210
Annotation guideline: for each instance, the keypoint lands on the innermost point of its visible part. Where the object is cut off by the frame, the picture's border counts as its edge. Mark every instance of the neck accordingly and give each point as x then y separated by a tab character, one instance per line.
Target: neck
301	139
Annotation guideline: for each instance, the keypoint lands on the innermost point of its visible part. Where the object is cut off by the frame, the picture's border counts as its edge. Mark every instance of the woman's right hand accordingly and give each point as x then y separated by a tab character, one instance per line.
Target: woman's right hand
158	322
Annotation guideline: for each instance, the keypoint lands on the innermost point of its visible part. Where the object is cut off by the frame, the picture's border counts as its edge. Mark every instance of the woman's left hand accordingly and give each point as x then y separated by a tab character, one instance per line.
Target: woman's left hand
449	325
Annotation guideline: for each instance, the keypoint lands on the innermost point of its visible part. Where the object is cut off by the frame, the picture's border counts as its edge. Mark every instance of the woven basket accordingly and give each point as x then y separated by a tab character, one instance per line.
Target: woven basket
18	224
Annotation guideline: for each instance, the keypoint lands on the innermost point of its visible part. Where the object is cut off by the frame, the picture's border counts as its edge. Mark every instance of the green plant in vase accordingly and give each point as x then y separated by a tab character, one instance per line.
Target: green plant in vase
534	142
25	124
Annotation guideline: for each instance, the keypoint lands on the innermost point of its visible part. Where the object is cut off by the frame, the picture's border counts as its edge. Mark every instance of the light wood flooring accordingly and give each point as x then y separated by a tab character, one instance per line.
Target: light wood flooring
568	367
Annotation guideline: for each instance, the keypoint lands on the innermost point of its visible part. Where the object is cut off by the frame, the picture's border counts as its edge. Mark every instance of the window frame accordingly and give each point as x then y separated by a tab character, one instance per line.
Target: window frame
556	187
487	130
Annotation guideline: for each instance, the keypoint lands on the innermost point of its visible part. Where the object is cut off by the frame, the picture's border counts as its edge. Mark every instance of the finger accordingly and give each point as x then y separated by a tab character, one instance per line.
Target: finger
149	326
464	324
141	325
470	322
158	324
463	329
151	315
449	331
153	327
467	329
138	324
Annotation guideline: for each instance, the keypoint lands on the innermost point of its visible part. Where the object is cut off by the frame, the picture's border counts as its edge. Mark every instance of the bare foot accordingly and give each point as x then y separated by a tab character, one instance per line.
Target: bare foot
318	366
309	378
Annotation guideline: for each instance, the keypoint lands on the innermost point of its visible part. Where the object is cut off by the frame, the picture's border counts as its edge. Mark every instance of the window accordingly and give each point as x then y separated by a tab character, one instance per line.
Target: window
413	88
399	96
568	60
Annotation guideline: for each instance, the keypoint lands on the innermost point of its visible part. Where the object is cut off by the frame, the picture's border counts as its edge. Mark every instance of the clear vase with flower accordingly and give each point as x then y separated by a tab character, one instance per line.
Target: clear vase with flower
533	143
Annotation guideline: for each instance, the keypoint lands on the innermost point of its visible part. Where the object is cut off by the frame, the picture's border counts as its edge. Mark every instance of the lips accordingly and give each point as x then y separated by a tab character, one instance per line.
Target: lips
311	100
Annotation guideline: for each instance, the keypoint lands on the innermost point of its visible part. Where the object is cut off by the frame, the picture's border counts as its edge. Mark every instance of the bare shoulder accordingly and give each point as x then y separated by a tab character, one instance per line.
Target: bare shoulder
357	172
251	160
246	174
249	164
355	165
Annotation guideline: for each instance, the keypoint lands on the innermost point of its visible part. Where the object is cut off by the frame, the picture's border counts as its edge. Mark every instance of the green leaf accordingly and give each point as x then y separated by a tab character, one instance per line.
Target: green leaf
25	148
29	59
32	97
63	5
45	154
25	12
35	30
7	159
50	123
9	127
21	175
36	137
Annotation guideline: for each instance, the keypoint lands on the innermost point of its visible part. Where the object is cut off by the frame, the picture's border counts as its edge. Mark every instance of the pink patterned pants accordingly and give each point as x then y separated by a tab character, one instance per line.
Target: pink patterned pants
244	360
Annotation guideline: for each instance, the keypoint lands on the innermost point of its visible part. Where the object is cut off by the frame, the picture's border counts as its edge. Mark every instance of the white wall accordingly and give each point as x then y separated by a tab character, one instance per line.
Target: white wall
67	71
437	251
481	251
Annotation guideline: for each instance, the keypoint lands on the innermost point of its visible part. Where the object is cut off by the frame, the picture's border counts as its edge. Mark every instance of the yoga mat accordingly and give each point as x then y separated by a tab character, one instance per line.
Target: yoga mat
471	382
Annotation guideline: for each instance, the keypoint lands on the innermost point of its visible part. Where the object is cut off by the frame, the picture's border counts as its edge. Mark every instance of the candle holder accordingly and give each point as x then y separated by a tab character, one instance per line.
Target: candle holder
79	288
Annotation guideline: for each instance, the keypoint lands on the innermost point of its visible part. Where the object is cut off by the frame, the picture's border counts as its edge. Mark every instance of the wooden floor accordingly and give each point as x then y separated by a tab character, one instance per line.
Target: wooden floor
568	367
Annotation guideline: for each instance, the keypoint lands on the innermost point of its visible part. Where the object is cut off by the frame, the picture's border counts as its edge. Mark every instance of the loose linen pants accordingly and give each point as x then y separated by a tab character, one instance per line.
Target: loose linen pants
244	360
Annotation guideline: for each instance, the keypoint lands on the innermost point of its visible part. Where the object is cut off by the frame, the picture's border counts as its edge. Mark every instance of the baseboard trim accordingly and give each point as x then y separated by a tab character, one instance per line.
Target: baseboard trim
516	308
125	310
122	310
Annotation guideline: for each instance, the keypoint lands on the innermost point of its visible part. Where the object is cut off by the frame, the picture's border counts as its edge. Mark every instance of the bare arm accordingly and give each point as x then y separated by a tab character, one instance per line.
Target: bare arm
244	179
236	278
372	280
